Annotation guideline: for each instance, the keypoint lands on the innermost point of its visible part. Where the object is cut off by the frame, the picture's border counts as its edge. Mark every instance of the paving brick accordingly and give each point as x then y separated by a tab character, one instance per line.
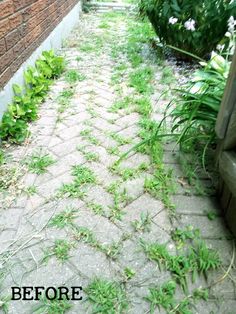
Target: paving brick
93	264
213	229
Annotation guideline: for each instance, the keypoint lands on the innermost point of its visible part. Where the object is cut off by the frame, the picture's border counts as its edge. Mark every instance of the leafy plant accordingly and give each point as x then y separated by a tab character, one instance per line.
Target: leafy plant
140	79
82	176
24	108
129	273
107	297
60	250
63	219
194	111
64	99
85	235
142	225
111	250
197	259
182	235
96	208
72	76
38	162
161	186
52	306
162	296
31	190
188	25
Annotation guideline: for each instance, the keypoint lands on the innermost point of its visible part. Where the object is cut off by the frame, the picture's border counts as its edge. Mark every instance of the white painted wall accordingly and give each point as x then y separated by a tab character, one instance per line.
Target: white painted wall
53	41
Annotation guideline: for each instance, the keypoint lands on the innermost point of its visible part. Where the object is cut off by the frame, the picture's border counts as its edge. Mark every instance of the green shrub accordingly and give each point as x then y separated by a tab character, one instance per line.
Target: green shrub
190	25
195	108
198	106
24	107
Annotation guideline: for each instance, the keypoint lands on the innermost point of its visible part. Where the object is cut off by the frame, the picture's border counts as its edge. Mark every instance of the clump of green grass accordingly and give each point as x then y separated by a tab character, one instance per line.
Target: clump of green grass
111	250
124	103
140	79
4	304
87	134
143	106
144	224
129	273
72	76
113	150
198	259
60	250
82	177
96	208
119	139
90	156
180	236
38	162
161	186
63	219
162	296
64	99
31	190
52	306
107	297
85	235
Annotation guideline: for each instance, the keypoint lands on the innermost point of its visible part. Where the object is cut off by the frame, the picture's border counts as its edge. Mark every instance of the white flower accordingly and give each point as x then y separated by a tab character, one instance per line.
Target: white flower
231	24
173	20
190	25
220	47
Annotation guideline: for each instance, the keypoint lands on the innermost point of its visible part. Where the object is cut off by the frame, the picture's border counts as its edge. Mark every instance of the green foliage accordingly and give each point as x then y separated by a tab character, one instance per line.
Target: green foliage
143	106
129	273
63	219
162	296
194	111
111	250
197	259
64	99
38	162
4	304
82	177
121	104
144	224
60	250
85	235
205	258
31	190
96	208
140	79
72	76
180	236
52	306
90	156
14	125
161	186
107	297
189	25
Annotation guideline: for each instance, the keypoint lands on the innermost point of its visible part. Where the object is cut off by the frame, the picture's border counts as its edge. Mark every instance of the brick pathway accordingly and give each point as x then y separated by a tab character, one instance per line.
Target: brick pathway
99	230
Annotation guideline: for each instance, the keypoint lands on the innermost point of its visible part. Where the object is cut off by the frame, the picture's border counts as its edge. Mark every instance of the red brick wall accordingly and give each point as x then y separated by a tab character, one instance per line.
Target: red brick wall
24	25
